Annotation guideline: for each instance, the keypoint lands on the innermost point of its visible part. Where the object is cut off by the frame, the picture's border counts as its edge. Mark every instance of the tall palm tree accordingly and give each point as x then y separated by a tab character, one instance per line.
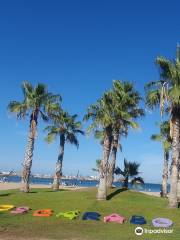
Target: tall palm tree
100	114
125	105
166	93
112	115
165	139
37	103
67	128
131	169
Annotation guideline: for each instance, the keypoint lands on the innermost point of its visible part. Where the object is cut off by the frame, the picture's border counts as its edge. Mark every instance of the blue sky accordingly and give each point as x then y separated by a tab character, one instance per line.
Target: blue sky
77	48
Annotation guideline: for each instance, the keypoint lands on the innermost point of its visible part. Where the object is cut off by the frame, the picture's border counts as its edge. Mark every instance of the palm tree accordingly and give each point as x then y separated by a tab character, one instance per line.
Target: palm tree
165	139
65	127
37	102
131	169
100	114
125	106
166	93
112	115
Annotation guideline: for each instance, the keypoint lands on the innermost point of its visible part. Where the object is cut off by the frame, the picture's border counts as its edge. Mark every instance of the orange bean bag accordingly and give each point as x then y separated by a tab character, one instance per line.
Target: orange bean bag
43	213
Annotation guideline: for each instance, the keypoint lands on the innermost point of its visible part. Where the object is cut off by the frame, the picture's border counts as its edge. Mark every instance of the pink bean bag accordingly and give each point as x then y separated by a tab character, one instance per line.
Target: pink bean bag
114	218
20	210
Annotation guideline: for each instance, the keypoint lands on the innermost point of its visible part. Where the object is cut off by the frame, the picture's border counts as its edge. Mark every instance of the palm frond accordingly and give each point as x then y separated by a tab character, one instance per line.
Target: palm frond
72	139
27	89
20	109
98	162
137	180
44	116
40	89
118	171
153	98
50	137
164	67
156	137
164	136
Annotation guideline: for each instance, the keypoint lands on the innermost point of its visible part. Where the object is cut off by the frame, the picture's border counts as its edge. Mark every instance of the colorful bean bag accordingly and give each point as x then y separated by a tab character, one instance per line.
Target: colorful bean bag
6	207
114	218
91	216
137	220
20	210
70	215
162	222
43	213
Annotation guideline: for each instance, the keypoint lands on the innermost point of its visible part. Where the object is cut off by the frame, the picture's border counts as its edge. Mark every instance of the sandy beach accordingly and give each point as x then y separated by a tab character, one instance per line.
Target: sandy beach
11	185
155	194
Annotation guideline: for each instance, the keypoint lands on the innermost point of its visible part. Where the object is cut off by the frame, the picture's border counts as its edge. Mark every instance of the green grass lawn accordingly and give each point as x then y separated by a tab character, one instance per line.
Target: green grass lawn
125	203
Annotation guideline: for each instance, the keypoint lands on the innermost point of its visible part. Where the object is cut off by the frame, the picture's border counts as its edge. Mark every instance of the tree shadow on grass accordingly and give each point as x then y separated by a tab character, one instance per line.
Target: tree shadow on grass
44	191
55	191
31	192
4	194
116	192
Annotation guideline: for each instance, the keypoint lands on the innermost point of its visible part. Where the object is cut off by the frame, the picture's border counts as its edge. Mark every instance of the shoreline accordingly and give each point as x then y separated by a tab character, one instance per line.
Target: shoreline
12	185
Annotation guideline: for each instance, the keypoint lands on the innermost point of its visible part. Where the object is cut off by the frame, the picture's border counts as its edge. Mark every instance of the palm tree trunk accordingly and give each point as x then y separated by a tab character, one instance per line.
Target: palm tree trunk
178	183
102	189
27	164
173	203
58	169
112	164
165	174
178	189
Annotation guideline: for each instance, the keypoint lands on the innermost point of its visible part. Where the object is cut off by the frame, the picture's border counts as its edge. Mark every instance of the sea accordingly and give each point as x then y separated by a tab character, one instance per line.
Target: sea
149	187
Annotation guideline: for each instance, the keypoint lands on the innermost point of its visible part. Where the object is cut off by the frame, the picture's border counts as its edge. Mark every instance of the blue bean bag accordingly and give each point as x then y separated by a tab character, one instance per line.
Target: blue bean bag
137	220
91	216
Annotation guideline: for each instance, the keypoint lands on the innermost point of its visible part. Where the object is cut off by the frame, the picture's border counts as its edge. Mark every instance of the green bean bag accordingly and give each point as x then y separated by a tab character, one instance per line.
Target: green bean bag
70	215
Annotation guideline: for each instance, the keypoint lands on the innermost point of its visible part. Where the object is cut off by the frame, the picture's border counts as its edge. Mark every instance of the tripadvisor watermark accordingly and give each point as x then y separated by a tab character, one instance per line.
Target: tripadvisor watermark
140	231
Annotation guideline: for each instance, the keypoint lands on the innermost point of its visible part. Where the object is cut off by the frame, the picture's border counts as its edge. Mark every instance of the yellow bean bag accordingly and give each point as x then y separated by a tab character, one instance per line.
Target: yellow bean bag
5	207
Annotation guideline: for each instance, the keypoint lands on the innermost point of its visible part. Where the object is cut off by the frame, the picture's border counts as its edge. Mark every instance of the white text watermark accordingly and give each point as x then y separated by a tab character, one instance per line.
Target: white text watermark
140	231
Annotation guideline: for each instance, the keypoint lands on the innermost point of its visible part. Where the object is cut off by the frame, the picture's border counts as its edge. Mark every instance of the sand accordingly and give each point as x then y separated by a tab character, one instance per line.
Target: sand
155	194
11	185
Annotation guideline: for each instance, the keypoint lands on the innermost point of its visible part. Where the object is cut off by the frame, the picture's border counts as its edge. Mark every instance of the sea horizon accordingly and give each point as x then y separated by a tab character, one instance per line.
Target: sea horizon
149	187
